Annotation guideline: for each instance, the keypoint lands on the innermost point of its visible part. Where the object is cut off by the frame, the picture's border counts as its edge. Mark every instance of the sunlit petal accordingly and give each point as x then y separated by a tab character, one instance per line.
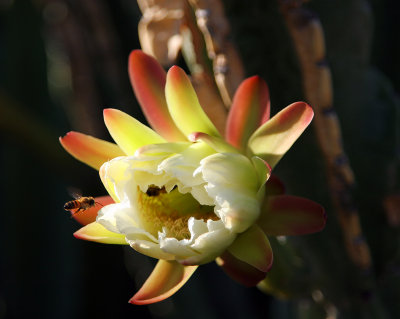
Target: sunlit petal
274	138
184	105
148	82
129	133
250	108
96	232
89	150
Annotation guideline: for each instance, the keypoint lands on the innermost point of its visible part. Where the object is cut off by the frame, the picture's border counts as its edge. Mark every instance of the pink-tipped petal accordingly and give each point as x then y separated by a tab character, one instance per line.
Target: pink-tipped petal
184	105
253	247
90	150
148	82
166	279
286	215
97	233
89	215
240	271
128	132
274	138
250	108
215	143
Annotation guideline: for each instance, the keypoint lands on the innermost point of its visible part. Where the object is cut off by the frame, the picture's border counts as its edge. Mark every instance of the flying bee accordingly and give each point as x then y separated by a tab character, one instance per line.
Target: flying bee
81	203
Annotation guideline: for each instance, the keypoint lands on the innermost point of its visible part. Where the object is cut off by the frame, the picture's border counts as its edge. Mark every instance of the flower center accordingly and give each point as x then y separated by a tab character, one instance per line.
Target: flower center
159	209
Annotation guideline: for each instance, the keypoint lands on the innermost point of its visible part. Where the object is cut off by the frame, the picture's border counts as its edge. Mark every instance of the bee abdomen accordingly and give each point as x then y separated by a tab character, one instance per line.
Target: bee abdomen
70	205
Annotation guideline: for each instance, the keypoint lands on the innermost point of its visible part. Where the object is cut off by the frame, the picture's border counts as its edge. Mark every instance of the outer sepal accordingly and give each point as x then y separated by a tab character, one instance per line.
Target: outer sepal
97	233
274	138
90	150
184	105
166	279
285	215
128	132
250	108
148	81
215	143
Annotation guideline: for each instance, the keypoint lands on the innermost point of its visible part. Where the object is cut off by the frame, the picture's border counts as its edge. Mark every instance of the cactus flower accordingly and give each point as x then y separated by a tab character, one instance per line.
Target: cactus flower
185	194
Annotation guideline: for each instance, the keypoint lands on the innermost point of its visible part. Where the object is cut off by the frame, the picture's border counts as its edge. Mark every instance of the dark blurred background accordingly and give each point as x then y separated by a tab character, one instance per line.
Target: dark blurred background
62	62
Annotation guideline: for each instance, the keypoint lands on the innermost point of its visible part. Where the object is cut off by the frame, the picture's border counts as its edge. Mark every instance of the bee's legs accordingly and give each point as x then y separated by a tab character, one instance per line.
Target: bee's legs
79	209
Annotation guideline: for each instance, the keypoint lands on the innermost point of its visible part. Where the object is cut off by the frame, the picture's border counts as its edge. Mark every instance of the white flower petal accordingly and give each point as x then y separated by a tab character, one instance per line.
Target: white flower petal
114	215
233	184
207	241
227	181
148	248
179	248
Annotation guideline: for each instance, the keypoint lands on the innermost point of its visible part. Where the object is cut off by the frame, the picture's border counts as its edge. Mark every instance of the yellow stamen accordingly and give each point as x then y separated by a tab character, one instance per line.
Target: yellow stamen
158	209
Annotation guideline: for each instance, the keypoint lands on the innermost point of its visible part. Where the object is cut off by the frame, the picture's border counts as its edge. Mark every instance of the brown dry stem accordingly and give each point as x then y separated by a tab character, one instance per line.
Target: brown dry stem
308	39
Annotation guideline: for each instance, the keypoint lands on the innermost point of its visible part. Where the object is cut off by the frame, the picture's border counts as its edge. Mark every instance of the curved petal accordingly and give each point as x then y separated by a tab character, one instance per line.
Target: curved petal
89	215
250	108
233	183
184	105
148	81
88	149
166	279
253	247
274	138
286	215
96	232
239	270
207	241
216	143
128	132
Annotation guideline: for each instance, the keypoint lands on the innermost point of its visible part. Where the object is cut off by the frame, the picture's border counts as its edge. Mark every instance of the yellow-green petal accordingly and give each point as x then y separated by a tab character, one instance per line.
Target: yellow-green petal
216	143
128	132
184	105
253	247
97	233
275	137
90	150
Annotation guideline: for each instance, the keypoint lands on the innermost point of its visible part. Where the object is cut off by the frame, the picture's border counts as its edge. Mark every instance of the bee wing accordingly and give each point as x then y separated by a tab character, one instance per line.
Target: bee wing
75	192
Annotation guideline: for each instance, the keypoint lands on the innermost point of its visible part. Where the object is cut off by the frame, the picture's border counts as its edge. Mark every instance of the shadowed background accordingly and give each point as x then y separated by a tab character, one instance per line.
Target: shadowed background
62	62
